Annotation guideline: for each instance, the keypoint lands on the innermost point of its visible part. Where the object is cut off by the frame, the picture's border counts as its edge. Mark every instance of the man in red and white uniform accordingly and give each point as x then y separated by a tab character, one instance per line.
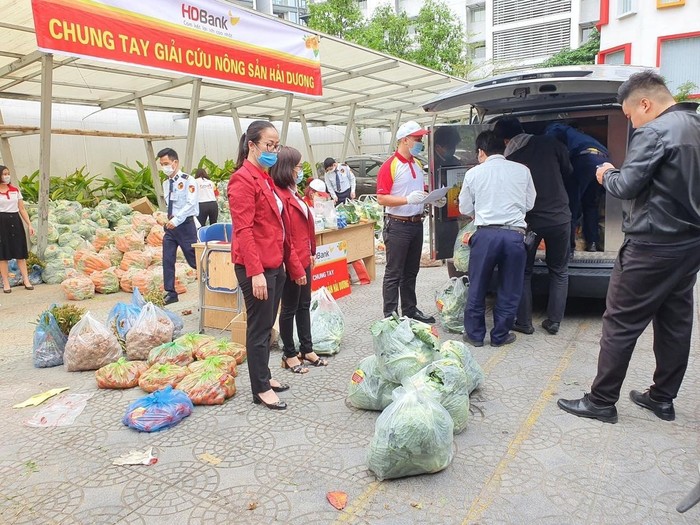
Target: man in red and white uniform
400	187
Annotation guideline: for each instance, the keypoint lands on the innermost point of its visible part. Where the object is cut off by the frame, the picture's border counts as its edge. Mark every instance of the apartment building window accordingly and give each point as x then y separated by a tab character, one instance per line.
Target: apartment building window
506	11
660	4
478	51
615	55
626	7
531	42
676	60
585	33
477	14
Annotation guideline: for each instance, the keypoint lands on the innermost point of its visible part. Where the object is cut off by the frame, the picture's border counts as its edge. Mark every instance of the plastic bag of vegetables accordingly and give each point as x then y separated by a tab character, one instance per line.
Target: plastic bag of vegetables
402	346
193	341
178	324
78	288
413	435
172	352
122	317
122	374
105	281
450	302
221	347
160	376
91	345
152	328
368	389
447	378
131	241
157	411
49	342
210	387
459	351
224	363
461	250
327	323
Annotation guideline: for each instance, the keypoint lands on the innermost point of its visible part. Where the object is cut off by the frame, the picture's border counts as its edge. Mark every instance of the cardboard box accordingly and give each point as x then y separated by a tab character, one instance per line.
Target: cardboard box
143	205
238	330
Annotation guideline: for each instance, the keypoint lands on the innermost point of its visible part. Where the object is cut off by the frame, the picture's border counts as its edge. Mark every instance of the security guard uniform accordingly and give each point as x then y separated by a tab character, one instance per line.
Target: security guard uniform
181	197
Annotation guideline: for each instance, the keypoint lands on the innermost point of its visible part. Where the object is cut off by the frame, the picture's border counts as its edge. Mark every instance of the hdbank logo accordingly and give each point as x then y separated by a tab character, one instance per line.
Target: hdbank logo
197	14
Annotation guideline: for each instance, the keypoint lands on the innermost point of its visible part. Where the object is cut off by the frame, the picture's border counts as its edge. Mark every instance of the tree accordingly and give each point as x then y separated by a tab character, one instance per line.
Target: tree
341	18
585	54
388	32
441	44
684	91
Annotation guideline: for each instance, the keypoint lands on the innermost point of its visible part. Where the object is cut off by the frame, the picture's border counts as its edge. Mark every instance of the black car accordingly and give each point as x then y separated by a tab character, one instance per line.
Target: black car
366	167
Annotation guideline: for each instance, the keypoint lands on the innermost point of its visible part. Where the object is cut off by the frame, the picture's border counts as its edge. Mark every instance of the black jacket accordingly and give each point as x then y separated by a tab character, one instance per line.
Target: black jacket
660	178
549	164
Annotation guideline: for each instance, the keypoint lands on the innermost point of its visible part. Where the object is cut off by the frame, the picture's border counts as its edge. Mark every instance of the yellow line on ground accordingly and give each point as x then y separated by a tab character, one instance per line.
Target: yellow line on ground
360	502
488	493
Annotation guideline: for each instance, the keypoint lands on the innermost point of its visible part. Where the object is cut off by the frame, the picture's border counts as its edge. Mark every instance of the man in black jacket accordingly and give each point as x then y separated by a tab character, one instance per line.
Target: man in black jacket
550	218
658	262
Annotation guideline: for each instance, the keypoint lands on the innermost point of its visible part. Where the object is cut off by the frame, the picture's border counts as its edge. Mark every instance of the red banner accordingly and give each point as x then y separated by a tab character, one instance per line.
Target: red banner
331	269
191	41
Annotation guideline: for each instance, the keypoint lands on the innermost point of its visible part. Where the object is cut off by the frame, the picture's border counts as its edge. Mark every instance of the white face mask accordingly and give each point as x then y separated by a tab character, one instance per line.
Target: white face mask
168	170
6	179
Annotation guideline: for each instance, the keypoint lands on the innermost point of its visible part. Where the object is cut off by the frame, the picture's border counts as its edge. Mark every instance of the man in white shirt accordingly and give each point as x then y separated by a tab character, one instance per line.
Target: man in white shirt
340	180
497	193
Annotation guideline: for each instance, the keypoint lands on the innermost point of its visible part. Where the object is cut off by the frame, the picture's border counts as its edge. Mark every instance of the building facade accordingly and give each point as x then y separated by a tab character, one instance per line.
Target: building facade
291	10
512	34
655	33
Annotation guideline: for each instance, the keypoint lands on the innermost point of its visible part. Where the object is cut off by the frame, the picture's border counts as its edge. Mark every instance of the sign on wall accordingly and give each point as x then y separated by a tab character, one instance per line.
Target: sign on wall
202	38
331	269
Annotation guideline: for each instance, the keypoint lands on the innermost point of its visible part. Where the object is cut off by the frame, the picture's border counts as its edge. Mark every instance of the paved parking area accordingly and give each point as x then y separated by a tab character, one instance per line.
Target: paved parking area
521	460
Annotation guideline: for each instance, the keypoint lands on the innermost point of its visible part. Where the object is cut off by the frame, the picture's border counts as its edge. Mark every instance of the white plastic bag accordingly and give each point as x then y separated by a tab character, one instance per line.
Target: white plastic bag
450	302
461	249
151	329
61	412
327	323
91	345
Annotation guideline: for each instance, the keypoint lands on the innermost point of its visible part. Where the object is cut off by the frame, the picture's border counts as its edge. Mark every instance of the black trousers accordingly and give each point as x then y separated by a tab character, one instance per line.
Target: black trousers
296	301
649	283
556	239
343	196
208	210
261	317
404	242
584	196
183	236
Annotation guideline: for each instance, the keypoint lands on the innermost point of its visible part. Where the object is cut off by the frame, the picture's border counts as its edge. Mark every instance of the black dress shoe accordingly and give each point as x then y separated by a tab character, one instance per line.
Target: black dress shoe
420	316
661	409
281	388
510	338
524	329
550	326
278	405
584	407
466	339
170	299
593	247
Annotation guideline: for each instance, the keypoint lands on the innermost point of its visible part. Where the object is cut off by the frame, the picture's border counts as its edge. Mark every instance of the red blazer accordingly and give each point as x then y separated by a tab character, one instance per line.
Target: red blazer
301	231
259	241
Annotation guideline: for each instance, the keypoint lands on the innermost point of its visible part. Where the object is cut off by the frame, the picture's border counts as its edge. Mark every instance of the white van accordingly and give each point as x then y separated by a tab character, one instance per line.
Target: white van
582	96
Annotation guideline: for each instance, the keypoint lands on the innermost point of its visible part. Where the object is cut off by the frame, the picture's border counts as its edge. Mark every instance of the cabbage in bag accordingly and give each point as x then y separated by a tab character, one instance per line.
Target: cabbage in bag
327	323
403	346
461	249
451	302
447	379
459	351
368	389
413	435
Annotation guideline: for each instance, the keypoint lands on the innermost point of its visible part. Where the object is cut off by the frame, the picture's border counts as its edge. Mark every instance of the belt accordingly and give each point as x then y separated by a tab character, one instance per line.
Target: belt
504	227
412	218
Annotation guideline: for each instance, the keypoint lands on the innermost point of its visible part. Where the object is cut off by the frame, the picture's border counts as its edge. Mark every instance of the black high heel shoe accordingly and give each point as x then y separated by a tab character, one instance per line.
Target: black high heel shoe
281	388
278	405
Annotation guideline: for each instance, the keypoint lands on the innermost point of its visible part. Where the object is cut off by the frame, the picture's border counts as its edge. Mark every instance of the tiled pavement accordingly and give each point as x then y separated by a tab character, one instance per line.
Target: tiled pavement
521	460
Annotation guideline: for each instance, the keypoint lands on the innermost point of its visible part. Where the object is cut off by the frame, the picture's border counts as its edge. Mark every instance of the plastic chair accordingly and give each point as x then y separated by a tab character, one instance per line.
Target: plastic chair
218	232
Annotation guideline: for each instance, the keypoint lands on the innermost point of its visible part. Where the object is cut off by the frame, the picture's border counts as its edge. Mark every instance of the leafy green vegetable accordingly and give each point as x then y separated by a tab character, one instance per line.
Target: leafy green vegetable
461	250
447	379
413	435
368	389
450	303
458	350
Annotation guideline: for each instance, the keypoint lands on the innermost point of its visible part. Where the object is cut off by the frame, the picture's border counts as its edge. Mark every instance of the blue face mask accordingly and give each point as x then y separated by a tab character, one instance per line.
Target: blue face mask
267	159
300	177
417	148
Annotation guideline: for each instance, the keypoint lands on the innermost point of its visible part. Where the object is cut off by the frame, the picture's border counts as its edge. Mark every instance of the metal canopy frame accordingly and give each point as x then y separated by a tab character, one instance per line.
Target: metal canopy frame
361	89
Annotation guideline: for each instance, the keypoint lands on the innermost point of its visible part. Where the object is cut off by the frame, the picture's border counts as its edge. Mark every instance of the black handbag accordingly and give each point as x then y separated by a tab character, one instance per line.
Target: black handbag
530	239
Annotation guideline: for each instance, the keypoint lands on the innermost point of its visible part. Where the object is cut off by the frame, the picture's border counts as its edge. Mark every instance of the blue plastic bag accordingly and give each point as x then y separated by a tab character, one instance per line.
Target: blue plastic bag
178	324
14	275
123	315
49	342
35	274
161	409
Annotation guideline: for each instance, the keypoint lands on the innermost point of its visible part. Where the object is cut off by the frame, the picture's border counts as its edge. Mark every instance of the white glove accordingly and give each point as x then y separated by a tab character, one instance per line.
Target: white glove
440	202
416	197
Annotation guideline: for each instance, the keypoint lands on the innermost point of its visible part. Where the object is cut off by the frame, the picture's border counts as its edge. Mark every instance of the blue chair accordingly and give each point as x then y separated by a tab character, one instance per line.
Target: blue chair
210	236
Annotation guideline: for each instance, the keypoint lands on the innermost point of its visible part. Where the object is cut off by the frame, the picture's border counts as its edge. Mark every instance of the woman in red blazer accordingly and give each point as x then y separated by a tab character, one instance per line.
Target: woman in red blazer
260	250
296	296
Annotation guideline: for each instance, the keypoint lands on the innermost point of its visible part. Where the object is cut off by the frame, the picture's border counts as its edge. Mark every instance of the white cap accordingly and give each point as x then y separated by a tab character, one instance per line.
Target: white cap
317	185
411	128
